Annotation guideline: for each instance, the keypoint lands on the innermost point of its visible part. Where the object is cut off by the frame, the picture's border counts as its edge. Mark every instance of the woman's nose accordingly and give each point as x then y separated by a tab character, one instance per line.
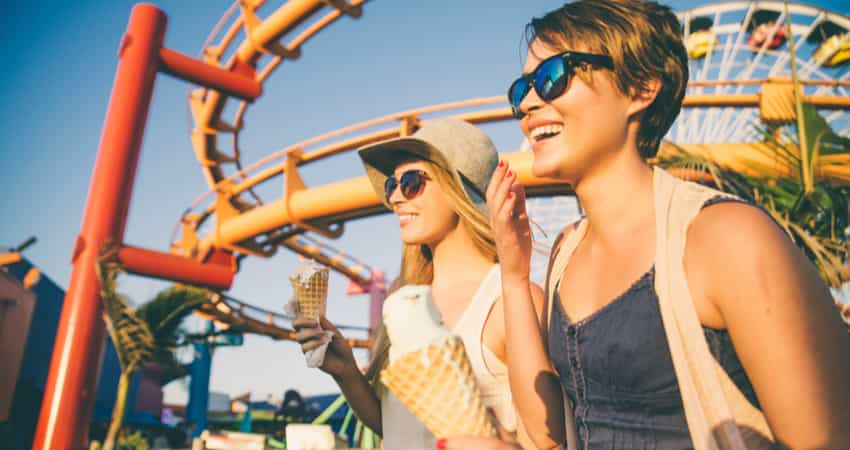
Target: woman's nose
395	197
530	102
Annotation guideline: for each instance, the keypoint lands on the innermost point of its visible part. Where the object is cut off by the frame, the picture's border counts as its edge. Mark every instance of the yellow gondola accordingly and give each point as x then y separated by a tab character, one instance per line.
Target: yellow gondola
700	39
834	51
700	43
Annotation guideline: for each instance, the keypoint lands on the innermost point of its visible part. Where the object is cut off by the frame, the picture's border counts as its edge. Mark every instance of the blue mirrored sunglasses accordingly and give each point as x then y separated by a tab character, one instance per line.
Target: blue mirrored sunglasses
551	77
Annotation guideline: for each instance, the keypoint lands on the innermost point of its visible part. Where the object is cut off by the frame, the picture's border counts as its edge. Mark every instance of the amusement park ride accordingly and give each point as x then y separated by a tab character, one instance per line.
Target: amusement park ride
740	76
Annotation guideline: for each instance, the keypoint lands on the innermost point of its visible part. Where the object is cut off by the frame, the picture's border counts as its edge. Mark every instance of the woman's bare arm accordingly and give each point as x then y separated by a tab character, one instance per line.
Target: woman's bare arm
535	386
361	398
782	321
339	363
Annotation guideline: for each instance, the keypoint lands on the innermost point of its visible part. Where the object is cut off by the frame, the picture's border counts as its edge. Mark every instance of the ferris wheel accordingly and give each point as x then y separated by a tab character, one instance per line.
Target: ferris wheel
736	47
737	52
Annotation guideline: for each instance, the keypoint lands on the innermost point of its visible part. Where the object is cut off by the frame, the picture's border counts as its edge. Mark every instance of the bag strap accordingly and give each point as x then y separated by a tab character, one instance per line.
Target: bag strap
714	406
558	263
558	258
552	255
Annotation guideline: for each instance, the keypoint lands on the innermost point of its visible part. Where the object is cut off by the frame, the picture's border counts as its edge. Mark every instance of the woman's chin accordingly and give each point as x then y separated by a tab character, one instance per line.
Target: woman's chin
410	241
411	237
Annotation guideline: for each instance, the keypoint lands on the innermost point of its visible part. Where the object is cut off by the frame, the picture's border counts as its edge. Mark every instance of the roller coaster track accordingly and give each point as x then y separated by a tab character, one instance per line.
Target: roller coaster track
239	316
234	217
257	56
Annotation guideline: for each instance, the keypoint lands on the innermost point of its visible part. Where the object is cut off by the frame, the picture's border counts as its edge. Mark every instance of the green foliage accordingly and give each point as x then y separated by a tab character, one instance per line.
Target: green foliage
151	332
132	441
163	316
131	335
147	334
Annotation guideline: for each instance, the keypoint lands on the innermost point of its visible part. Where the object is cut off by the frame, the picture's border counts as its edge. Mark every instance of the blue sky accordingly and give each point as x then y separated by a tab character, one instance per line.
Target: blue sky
60	59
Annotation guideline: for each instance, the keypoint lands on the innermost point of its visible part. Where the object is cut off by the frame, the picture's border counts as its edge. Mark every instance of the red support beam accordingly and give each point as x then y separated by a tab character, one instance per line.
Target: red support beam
66	408
170	267
199	72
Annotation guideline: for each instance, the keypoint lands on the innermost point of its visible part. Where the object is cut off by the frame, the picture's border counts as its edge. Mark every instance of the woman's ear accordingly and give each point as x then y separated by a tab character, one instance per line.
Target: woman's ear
642	99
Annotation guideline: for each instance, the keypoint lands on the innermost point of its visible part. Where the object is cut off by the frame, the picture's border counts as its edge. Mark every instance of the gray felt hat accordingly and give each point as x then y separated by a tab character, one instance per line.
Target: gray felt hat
461	148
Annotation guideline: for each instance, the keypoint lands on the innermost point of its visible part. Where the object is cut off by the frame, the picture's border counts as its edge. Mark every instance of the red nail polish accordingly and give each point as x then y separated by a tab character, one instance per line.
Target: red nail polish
501	163
510	195
441	443
510	173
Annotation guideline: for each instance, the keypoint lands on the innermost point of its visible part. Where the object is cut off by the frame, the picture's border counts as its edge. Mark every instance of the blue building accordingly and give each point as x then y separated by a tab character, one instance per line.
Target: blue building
18	430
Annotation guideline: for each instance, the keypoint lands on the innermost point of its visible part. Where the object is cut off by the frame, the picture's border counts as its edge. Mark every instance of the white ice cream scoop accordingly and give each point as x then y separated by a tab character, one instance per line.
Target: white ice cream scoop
412	320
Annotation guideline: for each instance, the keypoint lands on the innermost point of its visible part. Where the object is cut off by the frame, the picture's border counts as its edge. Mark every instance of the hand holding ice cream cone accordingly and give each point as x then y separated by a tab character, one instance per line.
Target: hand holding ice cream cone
309	302
429	370
339	357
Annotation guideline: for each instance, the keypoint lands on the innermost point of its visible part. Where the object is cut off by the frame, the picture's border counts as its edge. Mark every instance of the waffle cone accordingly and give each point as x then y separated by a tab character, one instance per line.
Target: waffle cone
311	294
437	385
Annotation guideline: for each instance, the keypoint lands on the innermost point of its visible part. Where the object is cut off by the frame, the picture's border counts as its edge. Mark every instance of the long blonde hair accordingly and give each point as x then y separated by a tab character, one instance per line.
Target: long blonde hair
417	266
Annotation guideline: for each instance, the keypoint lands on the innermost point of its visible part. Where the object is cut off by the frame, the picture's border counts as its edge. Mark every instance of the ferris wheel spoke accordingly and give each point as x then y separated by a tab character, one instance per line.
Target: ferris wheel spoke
728	63
833	116
709	56
763	49
798	44
692	119
725	123
744	123
717	126
739	40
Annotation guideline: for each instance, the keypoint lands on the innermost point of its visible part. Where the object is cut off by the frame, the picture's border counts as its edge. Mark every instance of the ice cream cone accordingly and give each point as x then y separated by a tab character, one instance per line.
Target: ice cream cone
310	292
437	385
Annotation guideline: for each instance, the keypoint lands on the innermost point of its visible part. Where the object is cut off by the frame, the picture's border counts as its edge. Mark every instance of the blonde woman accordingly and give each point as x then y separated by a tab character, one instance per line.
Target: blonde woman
434	181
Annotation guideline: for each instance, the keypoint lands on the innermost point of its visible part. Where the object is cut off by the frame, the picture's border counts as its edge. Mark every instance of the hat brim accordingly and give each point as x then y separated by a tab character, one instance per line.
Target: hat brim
381	159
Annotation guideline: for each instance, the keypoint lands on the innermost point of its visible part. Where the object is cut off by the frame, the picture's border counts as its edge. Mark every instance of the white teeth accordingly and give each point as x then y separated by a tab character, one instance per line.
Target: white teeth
538	132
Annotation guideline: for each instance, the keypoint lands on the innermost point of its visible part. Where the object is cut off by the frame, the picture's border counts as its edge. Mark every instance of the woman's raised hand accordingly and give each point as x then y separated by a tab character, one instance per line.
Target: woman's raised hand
339	359
509	221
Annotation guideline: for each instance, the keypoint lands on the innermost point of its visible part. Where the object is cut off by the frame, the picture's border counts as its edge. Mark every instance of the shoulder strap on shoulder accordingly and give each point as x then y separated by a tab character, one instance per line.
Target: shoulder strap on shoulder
714	407
561	251
552	255
561	254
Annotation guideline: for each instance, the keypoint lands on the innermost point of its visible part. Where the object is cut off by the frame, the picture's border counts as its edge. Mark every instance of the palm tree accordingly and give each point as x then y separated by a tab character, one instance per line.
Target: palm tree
149	334
813	212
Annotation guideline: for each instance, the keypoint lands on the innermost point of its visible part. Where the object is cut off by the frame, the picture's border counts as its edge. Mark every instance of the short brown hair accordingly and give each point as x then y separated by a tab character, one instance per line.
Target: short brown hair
643	38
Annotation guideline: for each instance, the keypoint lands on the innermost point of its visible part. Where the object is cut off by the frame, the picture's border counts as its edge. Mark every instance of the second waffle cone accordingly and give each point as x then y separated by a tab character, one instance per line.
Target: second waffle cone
437	385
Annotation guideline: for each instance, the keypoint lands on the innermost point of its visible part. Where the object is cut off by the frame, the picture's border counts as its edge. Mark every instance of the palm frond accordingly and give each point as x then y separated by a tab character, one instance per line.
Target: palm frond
165	312
775	149
133	340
